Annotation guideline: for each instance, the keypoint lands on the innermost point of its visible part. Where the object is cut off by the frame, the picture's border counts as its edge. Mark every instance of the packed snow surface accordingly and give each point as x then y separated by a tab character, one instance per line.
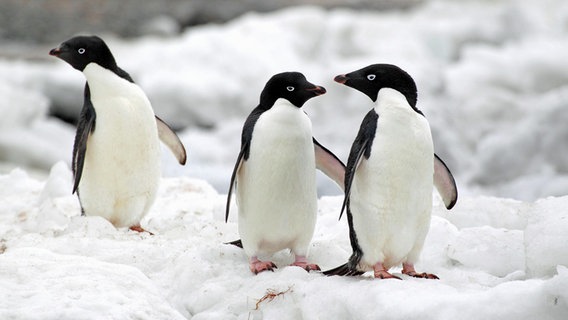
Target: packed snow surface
497	259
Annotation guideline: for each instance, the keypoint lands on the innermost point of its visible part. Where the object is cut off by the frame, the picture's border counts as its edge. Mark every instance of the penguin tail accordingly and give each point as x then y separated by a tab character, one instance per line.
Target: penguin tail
343	270
236	243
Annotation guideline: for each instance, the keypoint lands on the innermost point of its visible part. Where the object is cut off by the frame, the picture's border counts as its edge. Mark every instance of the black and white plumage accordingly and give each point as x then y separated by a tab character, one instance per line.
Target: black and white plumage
116	153
390	175
275	173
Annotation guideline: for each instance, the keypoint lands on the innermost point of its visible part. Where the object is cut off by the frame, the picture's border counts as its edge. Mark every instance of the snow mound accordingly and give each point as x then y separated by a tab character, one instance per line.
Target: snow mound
78	288
497	258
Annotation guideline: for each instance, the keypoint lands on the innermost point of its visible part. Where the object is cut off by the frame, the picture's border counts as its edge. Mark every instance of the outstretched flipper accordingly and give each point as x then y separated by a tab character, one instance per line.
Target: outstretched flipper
171	140
329	164
445	183
85	127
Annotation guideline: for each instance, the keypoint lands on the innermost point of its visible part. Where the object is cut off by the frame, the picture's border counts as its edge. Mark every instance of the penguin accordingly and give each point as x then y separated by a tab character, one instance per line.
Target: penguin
390	174
275	173
116	153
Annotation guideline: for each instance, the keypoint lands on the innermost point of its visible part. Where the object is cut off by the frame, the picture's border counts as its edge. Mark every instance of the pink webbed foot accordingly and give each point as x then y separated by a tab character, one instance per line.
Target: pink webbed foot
381	272
257	266
302	262
138	228
408	269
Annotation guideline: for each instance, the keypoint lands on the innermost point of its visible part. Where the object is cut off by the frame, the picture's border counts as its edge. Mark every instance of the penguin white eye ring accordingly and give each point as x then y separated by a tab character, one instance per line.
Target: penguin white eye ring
371	77
290	88
81	50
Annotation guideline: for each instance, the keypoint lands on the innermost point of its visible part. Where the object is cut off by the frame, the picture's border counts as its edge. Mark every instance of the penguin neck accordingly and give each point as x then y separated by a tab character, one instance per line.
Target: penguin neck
390	100
102	79
282	105
282	111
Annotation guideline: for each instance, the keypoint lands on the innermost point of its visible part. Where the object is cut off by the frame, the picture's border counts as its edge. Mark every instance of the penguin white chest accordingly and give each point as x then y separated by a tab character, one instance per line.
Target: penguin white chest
276	186
122	162
391	198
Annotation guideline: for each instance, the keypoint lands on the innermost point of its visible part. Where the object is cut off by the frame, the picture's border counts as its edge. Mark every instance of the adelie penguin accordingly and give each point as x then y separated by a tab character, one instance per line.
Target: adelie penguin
116	153
275	173
390	175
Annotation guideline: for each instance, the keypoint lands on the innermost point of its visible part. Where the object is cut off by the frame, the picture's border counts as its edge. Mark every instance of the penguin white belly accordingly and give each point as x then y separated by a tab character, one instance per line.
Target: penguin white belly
391	199
276	186
122	163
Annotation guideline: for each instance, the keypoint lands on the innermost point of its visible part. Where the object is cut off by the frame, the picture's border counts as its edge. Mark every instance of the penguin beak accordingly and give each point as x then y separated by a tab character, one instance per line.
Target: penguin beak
55	52
61	49
317	90
341	79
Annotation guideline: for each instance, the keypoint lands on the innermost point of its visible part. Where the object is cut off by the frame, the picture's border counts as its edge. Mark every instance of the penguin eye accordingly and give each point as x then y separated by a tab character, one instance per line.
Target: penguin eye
81	50
290	88
371	77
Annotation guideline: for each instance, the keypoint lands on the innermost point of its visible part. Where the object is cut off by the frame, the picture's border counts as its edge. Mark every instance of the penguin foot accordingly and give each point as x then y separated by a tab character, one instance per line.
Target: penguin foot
422	275
380	272
408	269
138	228
257	266
302	262
385	275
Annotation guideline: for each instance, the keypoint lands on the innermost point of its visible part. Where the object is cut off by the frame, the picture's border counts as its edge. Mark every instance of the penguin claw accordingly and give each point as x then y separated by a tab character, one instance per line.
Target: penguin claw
306	266
408	269
258	266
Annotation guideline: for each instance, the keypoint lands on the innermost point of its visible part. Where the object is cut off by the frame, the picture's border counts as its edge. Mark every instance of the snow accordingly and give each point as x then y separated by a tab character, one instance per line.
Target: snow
497	259
492	82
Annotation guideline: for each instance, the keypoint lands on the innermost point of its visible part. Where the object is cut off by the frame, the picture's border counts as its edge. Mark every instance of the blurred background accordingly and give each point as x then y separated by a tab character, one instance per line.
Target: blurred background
492	78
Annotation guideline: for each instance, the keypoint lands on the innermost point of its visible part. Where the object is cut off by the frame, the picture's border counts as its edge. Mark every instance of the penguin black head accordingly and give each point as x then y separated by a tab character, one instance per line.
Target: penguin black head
291	86
81	50
371	79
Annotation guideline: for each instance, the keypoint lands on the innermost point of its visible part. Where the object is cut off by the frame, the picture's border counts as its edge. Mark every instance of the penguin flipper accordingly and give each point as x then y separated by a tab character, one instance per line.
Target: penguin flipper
233	183
445	183
171	140
85	126
350	174
361	147
246	137
329	164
